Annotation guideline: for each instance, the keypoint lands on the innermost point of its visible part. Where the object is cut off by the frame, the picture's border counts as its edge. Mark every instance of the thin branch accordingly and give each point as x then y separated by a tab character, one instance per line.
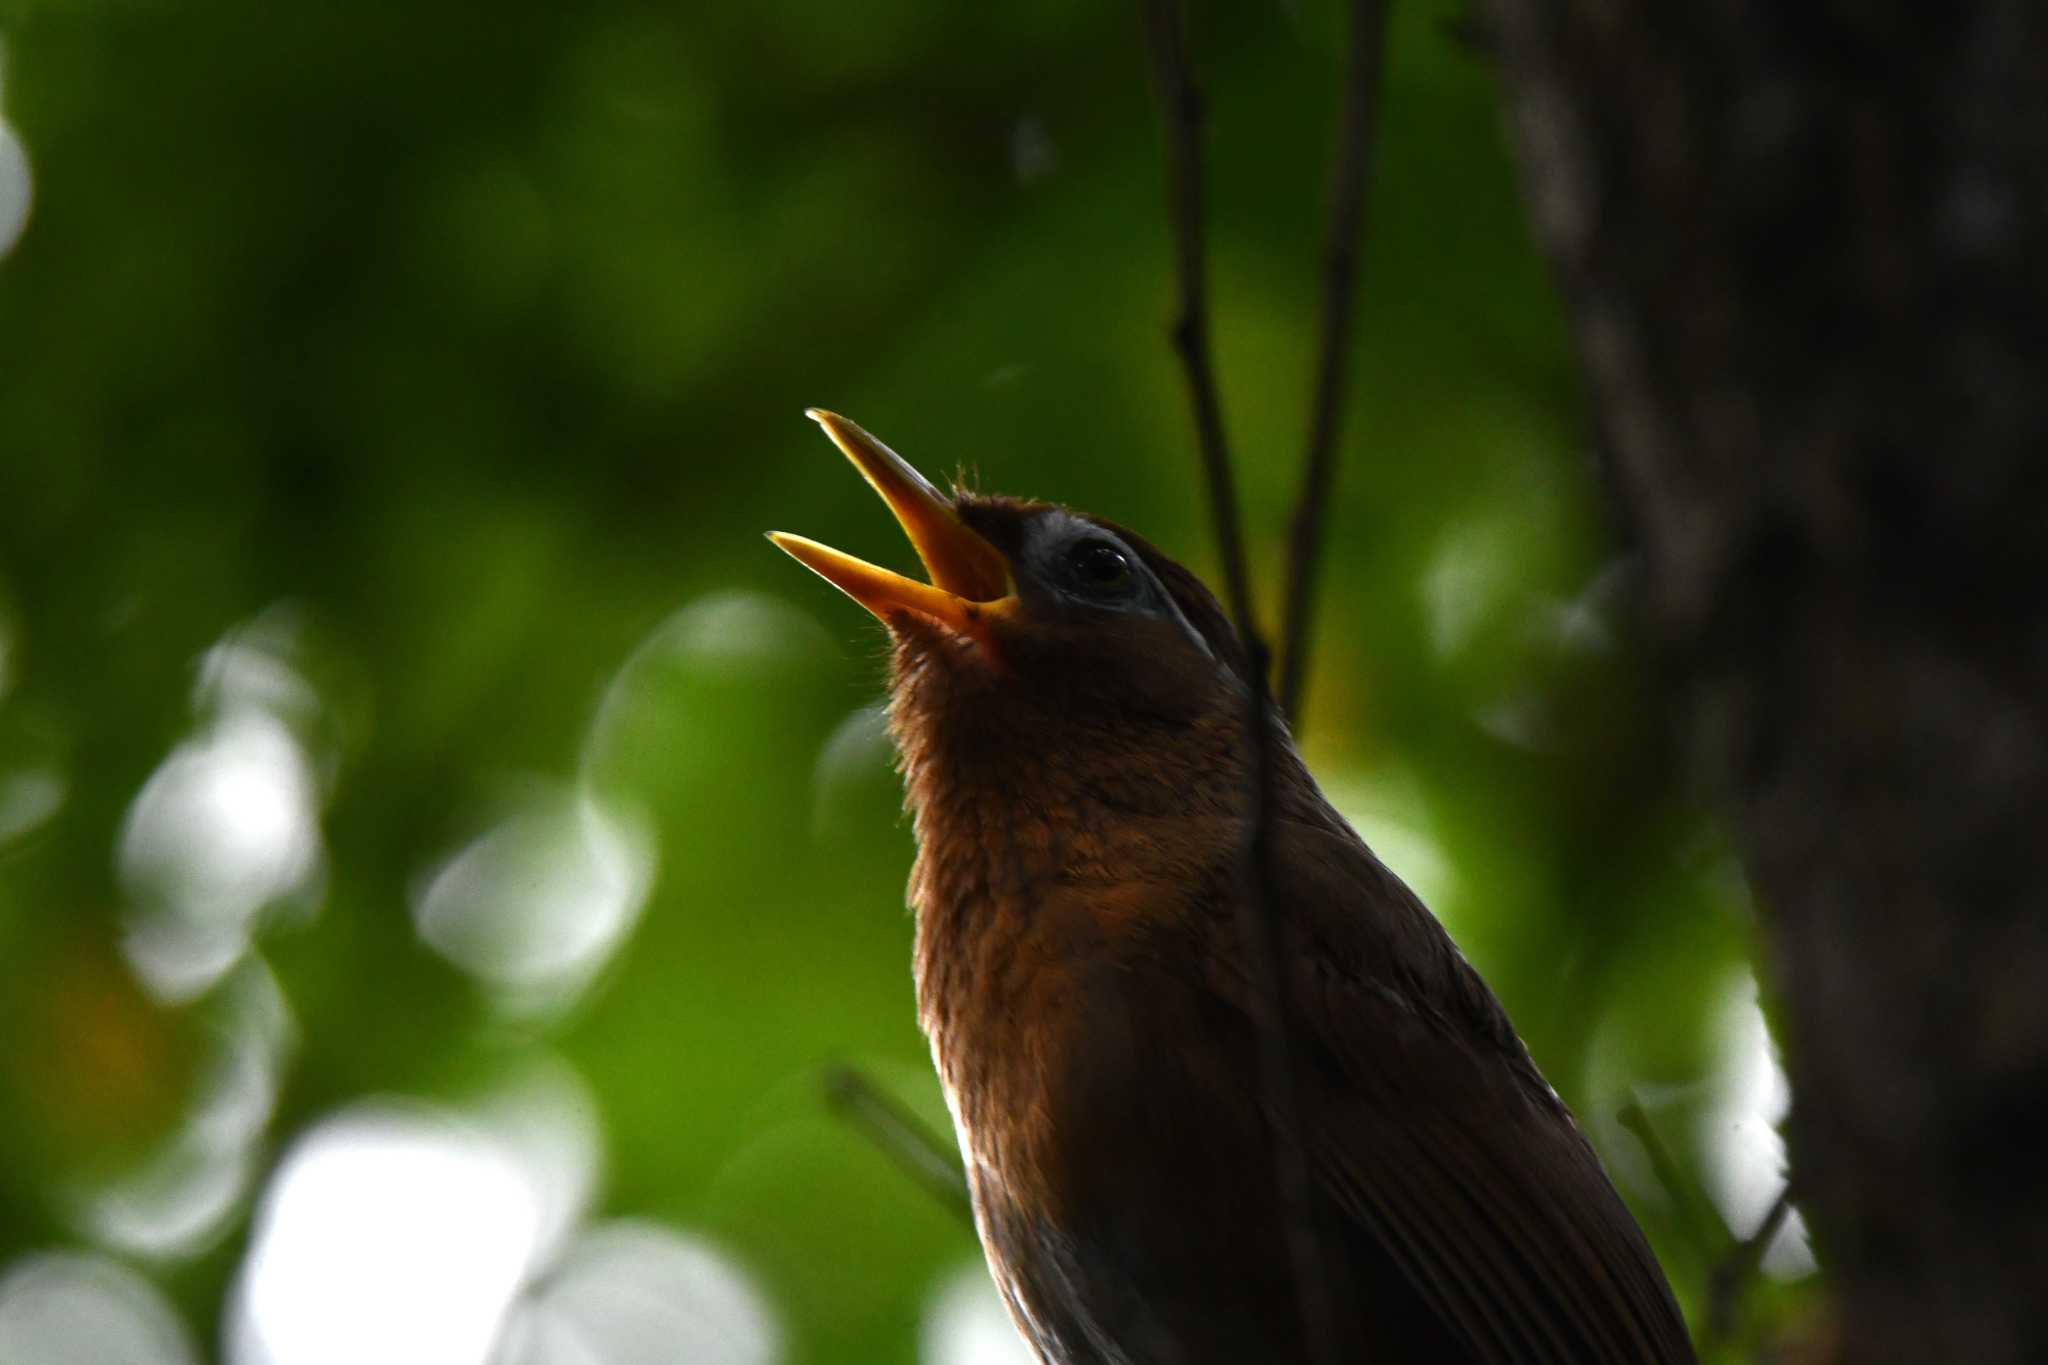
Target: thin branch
1702	1225
1734	1268
1182	109
1182	106
1349	179
924	1156
1732	1273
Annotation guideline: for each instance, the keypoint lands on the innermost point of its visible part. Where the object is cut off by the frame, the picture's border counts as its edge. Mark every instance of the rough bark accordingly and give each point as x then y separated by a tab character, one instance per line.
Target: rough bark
1805	249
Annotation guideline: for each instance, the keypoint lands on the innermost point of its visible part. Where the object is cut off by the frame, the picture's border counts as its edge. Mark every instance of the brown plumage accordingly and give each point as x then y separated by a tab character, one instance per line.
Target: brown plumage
1070	707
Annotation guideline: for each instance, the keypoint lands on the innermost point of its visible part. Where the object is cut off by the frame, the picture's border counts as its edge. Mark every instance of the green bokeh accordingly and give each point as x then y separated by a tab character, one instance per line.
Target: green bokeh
457	358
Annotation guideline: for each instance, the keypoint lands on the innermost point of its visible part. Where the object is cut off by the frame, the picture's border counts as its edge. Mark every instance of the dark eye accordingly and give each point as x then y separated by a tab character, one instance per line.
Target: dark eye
1099	567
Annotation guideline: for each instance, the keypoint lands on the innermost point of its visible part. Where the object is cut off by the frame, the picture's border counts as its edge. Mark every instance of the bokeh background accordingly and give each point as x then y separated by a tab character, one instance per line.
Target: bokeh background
443	848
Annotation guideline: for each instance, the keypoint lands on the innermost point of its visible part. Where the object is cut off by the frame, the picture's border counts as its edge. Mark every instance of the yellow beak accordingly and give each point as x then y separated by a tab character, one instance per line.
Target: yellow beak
970	577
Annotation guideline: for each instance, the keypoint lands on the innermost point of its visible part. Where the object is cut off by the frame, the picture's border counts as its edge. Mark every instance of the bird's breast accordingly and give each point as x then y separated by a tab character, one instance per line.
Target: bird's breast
1104	1105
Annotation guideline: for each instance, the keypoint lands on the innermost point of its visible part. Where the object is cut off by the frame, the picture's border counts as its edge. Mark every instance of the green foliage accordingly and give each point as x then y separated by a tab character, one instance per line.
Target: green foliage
391	402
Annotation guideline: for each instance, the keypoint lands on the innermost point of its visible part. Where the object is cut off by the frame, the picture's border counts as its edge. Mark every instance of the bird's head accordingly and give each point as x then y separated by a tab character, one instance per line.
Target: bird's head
1041	626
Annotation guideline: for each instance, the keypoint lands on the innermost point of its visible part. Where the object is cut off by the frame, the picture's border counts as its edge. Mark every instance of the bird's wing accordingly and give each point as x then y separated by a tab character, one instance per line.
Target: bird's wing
1428	1126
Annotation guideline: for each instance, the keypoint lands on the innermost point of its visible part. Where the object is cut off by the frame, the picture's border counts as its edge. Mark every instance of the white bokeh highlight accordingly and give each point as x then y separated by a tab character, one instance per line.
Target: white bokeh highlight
411	1235
29	797
965	1323
17	188
857	752
394	1235
537	904
635	1293
741	631
1745	1167
180	1200
69	1308
546	1121
1469	579
726	638
227	829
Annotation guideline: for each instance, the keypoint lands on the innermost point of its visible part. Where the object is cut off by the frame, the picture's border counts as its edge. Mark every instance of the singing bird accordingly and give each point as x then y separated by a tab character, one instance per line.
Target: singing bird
1072	712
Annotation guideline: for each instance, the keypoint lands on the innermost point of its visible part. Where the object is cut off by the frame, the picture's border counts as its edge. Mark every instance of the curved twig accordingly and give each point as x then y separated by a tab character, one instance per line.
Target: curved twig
1350	177
1181	103
1730	1276
918	1152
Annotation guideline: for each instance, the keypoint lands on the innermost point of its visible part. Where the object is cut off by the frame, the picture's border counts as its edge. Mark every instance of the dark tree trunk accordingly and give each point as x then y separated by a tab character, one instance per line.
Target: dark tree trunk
1805	249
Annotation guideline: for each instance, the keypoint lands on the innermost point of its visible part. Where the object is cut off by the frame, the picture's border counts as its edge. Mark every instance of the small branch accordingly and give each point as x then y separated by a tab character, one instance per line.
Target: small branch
918	1152
1182	109
1349	179
1734	1268
1705	1228
1731	1275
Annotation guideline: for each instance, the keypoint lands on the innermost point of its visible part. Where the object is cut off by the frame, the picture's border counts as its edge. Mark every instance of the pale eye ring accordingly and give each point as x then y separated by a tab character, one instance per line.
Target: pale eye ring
1100	568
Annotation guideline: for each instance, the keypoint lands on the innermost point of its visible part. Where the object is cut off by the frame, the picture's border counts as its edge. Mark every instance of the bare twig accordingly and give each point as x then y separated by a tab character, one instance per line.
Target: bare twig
1702	1225
1732	1273
1734	1267
1181	105
1349	178
924	1156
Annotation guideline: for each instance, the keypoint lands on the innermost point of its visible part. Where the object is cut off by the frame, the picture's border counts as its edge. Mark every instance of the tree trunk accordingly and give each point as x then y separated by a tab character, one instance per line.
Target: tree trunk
1805	250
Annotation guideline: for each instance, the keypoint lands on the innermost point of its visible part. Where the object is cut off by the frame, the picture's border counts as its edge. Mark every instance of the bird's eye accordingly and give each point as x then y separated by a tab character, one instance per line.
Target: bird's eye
1099	567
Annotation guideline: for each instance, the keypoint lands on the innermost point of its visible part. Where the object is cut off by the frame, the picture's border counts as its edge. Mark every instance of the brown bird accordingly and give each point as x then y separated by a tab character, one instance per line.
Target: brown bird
1071	708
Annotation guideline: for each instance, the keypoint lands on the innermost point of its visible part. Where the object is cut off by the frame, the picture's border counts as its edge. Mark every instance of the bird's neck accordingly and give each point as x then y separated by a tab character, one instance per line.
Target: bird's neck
1042	847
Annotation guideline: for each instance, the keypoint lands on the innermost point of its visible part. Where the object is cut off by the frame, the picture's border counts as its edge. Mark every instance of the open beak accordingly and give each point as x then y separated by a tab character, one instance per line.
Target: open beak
970	577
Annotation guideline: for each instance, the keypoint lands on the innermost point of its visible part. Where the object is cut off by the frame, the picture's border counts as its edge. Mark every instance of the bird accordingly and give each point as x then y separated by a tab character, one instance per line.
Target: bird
1074	721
